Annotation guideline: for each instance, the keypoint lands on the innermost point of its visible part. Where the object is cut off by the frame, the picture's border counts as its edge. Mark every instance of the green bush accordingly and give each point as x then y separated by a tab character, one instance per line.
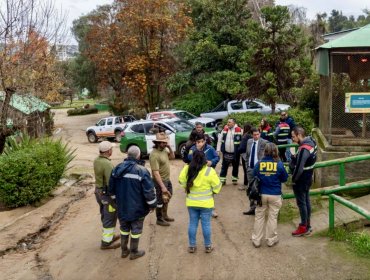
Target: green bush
29	174
82	111
303	118
197	103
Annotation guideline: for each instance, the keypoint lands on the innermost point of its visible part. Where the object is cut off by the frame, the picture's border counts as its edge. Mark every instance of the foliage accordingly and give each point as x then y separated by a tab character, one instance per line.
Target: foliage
29	173
28	30
82	111
303	118
136	57
197	103
359	242
213	54
308	96
277	57
16	143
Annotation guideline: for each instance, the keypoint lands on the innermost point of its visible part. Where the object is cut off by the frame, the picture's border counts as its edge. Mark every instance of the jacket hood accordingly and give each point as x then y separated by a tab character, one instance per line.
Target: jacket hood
126	166
309	141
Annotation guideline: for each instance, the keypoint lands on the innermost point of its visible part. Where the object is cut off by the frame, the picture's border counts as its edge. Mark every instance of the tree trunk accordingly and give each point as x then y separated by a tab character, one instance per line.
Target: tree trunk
4	131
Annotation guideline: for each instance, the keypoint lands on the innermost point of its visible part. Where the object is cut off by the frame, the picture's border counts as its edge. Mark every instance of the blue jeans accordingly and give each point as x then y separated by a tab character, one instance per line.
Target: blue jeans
288	154
204	214
301	192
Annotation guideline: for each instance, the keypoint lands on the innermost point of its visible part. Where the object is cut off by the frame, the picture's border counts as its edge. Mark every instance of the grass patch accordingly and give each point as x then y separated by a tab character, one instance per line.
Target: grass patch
289	209
75	104
357	241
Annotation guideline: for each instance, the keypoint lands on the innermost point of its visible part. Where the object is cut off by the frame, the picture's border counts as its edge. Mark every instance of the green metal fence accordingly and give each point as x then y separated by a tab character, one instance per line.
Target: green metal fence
330	192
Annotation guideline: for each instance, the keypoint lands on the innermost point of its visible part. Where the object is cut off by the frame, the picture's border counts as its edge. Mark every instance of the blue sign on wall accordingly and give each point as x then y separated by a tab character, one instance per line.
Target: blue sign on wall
357	102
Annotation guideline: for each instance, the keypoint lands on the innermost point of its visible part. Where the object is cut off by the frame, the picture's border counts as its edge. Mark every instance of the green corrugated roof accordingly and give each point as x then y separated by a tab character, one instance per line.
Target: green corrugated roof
27	103
358	38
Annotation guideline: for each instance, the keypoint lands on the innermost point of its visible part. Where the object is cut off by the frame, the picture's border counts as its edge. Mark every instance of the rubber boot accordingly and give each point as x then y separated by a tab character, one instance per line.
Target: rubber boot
160	220
134	252
124	242
164	212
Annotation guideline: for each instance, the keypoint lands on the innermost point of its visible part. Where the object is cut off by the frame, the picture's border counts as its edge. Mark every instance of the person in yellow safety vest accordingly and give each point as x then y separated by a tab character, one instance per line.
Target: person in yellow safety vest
201	182
102	170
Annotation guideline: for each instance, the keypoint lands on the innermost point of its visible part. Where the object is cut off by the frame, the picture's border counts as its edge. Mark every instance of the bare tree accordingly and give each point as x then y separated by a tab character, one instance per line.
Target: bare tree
28	31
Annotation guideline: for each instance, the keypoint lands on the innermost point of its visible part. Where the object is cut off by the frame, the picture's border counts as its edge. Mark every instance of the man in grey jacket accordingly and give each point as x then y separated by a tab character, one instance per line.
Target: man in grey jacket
254	153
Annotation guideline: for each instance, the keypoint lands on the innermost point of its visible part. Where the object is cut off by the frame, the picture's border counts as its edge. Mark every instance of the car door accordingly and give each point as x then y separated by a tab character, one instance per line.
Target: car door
100	128
237	106
171	133
137	137
150	132
109	127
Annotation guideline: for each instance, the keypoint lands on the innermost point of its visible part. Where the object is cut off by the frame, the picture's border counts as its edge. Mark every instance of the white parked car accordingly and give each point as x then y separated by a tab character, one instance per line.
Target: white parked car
207	122
110	127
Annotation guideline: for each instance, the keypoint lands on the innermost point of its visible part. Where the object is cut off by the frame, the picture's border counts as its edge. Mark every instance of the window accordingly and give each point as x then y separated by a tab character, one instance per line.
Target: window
117	120
149	128
253	105
138	128
237	106
101	122
181	125
185	115
110	121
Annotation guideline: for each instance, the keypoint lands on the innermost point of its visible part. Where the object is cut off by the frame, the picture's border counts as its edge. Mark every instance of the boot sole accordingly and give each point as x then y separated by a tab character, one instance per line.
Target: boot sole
125	255
134	257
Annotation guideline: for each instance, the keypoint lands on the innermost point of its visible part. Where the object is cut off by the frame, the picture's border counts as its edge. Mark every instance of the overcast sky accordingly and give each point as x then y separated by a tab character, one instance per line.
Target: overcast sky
77	8
352	7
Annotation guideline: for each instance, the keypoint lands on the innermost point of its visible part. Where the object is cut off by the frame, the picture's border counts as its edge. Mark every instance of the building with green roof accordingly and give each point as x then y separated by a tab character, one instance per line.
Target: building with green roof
29	114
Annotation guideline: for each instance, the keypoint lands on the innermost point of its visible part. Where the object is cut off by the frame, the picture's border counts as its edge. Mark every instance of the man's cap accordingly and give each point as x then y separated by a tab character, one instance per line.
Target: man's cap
105	146
161	137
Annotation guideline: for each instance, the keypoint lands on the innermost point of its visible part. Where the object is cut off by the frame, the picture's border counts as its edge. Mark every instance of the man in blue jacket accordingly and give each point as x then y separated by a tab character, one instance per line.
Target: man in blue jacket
132	187
201	145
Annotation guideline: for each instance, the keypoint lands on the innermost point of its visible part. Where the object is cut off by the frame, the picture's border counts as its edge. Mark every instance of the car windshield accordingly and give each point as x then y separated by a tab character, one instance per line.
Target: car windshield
181	125
185	115
260	101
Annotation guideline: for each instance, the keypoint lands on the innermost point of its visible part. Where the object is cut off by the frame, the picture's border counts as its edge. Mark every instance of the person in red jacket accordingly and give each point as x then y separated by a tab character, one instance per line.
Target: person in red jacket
265	129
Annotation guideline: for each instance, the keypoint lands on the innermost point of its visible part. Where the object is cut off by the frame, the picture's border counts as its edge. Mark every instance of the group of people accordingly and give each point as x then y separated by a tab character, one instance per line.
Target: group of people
129	192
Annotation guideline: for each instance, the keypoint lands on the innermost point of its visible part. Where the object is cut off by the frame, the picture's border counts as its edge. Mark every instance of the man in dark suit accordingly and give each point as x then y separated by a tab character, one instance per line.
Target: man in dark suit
254	153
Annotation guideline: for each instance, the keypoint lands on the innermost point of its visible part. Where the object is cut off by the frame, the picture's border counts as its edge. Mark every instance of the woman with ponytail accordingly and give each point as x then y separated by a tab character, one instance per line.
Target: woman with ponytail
200	182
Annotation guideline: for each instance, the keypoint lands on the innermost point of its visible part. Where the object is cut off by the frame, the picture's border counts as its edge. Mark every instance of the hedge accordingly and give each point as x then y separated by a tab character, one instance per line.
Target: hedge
31	173
82	111
303	118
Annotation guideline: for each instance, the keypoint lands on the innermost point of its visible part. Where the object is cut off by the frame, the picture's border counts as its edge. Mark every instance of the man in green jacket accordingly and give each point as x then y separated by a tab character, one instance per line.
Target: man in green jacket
103	169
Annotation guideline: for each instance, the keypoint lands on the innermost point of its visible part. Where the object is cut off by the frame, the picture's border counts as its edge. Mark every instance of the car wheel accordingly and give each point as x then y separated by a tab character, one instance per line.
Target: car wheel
118	136
182	149
91	136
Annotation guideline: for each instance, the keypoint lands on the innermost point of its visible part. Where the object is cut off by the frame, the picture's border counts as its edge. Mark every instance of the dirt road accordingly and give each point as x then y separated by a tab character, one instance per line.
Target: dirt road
71	248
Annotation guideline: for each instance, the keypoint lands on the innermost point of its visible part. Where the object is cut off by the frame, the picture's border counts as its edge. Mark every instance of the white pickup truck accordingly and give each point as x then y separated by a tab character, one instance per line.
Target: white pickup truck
241	106
110	127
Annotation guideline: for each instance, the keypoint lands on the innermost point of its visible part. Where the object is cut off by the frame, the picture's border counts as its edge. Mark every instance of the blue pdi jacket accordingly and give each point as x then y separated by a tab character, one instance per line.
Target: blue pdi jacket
133	188
209	152
271	174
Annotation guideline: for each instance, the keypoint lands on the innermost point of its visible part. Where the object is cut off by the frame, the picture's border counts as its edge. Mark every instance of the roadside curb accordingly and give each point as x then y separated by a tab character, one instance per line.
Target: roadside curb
28	230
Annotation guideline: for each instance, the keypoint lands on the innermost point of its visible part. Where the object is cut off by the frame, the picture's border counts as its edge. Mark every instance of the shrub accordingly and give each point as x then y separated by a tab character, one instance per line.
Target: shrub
29	174
82	111
197	103
303	118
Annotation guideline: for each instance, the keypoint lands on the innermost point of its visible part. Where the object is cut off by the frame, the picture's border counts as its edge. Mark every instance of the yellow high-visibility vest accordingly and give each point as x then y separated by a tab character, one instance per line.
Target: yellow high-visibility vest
204	186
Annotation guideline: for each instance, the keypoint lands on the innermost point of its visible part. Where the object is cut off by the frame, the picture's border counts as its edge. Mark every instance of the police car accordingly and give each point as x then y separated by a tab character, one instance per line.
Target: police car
142	134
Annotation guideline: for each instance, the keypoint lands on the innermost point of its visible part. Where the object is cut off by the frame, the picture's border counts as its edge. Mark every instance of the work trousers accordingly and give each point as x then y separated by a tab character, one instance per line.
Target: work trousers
108	214
133	227
204	215
225	165
158	191
271	205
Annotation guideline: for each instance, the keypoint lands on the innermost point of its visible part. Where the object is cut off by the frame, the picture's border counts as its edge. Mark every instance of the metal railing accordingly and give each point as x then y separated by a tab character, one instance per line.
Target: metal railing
330	192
